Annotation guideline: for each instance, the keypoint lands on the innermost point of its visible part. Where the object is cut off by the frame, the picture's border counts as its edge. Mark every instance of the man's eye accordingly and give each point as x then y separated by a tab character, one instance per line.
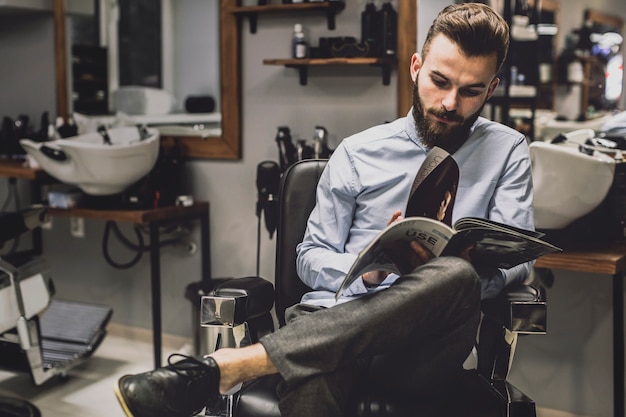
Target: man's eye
438	82
471	93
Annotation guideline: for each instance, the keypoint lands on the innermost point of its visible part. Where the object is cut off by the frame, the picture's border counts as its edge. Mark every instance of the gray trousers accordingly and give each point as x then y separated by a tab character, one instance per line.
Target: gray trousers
418	332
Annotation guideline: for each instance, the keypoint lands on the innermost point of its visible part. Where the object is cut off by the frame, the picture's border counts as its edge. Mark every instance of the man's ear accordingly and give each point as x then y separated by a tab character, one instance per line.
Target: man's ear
416	64
492	87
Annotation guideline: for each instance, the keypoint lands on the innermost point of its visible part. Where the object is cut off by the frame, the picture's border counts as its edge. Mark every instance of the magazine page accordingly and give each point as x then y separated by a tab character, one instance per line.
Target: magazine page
434	188
372	258
391	251
472	222
498	247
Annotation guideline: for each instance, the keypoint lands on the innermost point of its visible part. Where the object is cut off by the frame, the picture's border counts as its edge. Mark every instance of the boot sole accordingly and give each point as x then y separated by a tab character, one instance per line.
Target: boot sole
120	398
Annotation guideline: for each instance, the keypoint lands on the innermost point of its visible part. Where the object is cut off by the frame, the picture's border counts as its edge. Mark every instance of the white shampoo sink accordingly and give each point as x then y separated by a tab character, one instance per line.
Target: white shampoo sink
568	184
95	166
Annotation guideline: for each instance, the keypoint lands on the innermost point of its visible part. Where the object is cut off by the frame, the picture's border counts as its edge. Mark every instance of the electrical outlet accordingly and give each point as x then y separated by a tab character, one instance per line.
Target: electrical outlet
77	226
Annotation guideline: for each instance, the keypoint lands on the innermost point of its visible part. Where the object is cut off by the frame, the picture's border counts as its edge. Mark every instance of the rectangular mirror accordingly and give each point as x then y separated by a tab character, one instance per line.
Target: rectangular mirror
225	146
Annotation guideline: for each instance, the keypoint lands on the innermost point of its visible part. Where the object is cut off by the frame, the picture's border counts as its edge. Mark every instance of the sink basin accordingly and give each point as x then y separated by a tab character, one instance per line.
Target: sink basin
95	166
568	184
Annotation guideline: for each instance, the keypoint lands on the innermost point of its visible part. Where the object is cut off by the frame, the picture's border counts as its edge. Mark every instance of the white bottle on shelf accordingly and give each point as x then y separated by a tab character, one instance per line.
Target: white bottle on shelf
299	46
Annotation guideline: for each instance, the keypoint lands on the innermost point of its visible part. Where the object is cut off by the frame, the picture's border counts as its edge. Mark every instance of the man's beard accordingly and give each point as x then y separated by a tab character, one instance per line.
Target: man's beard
439	134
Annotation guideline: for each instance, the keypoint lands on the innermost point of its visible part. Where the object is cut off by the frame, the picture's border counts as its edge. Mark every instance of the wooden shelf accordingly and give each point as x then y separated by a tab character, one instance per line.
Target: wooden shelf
140	216
328	61
595	257
18	169
302	64
331	8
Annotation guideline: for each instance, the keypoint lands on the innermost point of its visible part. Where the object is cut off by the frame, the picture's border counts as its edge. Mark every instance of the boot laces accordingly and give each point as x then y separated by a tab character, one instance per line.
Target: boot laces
178	367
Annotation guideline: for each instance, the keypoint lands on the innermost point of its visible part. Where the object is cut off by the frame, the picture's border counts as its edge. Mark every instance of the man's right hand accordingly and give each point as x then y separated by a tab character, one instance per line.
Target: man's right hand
374	278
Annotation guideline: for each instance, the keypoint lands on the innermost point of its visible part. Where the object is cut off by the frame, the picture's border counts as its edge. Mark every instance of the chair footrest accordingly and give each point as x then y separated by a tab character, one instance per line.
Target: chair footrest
71	330
520	309
68	333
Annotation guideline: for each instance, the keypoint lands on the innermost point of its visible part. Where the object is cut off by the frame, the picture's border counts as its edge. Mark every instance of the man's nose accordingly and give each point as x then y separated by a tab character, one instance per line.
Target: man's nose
449	101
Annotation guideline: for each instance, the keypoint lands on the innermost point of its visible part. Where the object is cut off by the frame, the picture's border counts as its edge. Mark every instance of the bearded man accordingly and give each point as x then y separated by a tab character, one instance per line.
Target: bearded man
420	326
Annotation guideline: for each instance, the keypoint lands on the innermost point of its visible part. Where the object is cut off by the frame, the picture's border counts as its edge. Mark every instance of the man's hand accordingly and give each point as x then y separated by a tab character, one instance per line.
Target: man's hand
465	252
410	256
374	278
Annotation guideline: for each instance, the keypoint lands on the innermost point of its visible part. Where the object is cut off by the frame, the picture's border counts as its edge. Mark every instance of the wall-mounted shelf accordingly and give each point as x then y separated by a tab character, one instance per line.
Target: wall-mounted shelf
331	8
302	65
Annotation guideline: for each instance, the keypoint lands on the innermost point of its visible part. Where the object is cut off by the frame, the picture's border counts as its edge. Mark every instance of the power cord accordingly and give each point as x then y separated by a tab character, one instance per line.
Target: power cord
140	247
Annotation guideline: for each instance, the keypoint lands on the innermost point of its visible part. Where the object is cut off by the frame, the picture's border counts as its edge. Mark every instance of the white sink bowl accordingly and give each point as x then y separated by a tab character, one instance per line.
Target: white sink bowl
567	183
95	167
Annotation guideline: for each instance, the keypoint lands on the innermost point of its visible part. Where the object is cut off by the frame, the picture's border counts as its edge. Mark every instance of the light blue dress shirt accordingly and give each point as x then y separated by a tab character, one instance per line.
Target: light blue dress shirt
369	176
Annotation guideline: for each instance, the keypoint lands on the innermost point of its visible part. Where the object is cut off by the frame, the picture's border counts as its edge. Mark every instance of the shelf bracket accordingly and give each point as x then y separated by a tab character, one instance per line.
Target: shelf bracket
386	73
386	70
302	72
331	19
252	20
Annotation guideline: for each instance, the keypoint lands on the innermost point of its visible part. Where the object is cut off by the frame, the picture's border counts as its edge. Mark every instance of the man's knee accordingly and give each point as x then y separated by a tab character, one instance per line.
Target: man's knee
461	270
456	274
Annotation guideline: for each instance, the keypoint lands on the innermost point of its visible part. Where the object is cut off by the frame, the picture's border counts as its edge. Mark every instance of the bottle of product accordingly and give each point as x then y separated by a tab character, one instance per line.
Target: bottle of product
388	30
369	30
299	46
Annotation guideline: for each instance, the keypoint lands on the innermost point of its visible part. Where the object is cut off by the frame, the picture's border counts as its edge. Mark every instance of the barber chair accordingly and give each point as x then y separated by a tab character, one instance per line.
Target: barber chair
38	334
237	312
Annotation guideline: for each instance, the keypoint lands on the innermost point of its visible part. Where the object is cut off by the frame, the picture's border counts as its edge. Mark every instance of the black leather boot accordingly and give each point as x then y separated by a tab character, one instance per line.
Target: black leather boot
180	389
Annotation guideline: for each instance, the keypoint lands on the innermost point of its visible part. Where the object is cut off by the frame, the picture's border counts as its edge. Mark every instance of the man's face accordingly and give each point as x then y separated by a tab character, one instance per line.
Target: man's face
450	91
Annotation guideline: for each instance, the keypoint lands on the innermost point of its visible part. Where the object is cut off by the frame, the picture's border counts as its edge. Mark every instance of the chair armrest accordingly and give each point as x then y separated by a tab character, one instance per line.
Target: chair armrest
520	308
235	301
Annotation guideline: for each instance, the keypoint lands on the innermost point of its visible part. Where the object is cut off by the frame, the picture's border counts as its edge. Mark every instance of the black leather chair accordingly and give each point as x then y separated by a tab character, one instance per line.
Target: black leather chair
478	392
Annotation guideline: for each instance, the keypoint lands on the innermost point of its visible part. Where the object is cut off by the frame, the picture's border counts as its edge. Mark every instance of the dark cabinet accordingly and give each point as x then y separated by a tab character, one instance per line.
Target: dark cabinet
89	79
527	76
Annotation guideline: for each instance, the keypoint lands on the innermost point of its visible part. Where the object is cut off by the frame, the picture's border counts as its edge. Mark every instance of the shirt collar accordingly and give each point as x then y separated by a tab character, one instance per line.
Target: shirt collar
411	130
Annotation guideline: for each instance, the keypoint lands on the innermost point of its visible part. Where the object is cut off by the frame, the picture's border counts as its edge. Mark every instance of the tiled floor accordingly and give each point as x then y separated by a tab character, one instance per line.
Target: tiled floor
88	389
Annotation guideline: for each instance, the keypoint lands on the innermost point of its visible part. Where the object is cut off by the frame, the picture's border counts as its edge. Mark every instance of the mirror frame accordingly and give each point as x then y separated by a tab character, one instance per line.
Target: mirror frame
407	46
228	146
60	57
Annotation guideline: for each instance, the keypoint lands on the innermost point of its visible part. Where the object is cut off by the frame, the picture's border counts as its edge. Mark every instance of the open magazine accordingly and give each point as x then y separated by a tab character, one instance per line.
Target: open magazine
427	220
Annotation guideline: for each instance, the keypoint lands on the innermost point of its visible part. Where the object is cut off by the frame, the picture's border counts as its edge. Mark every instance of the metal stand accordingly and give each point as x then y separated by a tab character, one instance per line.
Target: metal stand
218	316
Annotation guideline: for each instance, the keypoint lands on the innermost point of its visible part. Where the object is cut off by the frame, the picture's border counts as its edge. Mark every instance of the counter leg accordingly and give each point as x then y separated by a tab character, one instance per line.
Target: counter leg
155	282
205	248
618	345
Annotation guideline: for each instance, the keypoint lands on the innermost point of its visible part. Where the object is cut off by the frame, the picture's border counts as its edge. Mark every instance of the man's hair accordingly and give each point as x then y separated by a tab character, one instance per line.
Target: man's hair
475	27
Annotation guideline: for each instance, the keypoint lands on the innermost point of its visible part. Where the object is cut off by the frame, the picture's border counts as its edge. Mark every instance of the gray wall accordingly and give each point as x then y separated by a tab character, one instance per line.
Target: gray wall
26	43
568	369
